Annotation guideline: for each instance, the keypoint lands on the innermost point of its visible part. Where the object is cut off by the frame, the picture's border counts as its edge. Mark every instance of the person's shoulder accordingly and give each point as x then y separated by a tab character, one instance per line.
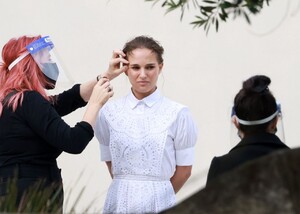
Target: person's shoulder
220	157
169	101
33	96
31	92
117	101
181	110
33	103
114	104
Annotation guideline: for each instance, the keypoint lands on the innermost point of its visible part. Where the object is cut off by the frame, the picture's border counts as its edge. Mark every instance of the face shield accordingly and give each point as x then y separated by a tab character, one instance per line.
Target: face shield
236	135
44	54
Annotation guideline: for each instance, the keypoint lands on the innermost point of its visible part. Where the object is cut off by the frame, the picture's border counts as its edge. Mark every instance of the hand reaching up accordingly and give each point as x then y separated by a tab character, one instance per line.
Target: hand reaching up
117	65
102	91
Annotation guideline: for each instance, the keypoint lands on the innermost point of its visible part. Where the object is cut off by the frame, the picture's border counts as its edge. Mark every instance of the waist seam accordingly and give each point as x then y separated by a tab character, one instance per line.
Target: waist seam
140	178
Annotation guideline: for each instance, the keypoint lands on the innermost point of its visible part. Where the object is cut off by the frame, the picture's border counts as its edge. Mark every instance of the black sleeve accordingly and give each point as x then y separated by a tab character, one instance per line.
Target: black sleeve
45	122
68	101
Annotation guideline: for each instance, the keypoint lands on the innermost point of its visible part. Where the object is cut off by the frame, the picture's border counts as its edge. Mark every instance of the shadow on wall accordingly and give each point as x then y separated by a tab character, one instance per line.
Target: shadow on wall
270	184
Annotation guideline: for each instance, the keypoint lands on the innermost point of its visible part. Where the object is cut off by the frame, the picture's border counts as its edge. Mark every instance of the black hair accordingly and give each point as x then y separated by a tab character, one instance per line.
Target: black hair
255	102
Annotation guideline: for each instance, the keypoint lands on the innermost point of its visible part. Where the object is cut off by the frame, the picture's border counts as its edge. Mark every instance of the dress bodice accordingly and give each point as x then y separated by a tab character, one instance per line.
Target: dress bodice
137	141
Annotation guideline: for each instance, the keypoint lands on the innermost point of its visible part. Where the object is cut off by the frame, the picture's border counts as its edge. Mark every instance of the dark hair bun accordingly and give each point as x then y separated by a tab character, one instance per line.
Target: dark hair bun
257	84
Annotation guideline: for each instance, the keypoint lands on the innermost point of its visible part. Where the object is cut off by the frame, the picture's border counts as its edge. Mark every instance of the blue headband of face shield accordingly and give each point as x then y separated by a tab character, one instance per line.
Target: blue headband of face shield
38	45
257	122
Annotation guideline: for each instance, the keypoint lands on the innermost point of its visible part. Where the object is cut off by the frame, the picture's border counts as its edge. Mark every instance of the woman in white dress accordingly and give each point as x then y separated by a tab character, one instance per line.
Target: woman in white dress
146	139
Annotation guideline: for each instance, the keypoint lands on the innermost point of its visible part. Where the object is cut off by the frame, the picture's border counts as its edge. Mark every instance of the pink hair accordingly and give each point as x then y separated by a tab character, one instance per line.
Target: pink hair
24	76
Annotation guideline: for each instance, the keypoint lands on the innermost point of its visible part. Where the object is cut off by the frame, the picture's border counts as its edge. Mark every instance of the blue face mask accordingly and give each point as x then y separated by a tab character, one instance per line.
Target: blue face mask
51	71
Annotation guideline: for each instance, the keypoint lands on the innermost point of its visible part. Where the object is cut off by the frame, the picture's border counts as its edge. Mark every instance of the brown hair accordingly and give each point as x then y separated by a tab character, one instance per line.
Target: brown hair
145	42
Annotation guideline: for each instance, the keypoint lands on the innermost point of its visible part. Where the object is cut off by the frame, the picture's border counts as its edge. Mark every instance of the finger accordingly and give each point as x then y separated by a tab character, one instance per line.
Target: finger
118	53
111	93
117	61
121	70
103	83
124	68
110	88
124	61
102	80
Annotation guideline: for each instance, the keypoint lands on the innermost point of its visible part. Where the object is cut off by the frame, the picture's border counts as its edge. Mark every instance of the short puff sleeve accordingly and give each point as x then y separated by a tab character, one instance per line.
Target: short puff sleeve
102	135
185	138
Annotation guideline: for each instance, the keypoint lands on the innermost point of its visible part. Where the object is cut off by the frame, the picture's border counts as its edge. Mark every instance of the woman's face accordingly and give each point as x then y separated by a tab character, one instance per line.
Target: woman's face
143	72
43	56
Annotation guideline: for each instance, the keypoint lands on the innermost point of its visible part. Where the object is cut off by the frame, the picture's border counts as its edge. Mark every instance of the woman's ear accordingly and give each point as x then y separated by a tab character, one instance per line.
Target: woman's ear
273	125
237	125
161	65
235	122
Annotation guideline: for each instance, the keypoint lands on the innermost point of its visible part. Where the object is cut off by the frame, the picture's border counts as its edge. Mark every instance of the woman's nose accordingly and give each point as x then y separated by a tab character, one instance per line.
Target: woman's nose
143	73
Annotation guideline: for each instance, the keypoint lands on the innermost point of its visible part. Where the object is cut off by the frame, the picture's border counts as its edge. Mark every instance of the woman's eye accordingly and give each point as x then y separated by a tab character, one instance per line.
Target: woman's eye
150	67
135	68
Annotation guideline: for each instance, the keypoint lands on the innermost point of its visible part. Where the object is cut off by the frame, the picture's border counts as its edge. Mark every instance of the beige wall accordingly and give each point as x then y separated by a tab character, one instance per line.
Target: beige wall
203	72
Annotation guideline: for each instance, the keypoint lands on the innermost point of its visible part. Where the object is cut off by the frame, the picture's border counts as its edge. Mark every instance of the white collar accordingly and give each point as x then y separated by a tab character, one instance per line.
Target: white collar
149	100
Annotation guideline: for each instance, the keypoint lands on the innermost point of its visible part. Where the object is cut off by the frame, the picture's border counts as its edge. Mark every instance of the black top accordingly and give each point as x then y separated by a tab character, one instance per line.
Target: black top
249	148
36	134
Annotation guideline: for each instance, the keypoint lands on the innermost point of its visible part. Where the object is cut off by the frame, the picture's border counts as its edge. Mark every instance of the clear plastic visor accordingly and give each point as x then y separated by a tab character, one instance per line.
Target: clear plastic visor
44	54
235	134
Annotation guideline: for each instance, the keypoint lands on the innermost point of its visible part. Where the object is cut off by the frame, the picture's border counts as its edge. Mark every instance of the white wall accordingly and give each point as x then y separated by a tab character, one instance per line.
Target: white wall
203	72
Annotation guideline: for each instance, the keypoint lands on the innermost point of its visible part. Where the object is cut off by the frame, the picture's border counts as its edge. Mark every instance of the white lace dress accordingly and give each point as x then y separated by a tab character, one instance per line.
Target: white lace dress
144	140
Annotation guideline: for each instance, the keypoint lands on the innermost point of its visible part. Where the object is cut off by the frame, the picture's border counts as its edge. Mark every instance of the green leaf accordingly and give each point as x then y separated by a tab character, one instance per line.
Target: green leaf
223	16
226	5
247	17
198	23
208	8
204	13
209	2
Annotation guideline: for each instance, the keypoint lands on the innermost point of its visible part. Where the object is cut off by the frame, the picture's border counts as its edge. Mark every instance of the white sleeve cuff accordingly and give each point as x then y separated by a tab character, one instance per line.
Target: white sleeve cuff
105	153
185	157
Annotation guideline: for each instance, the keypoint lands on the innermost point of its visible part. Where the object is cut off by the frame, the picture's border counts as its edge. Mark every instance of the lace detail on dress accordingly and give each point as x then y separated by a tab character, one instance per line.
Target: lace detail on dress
137	141
136	126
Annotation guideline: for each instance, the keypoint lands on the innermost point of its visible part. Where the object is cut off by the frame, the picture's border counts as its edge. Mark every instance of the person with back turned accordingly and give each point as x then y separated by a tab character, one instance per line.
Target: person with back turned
256	115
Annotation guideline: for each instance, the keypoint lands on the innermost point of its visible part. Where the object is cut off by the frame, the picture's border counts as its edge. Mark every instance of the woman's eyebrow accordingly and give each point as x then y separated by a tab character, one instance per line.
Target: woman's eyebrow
133	64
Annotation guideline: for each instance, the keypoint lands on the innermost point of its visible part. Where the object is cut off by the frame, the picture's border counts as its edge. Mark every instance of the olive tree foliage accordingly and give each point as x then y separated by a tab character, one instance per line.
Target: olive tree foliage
212	12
